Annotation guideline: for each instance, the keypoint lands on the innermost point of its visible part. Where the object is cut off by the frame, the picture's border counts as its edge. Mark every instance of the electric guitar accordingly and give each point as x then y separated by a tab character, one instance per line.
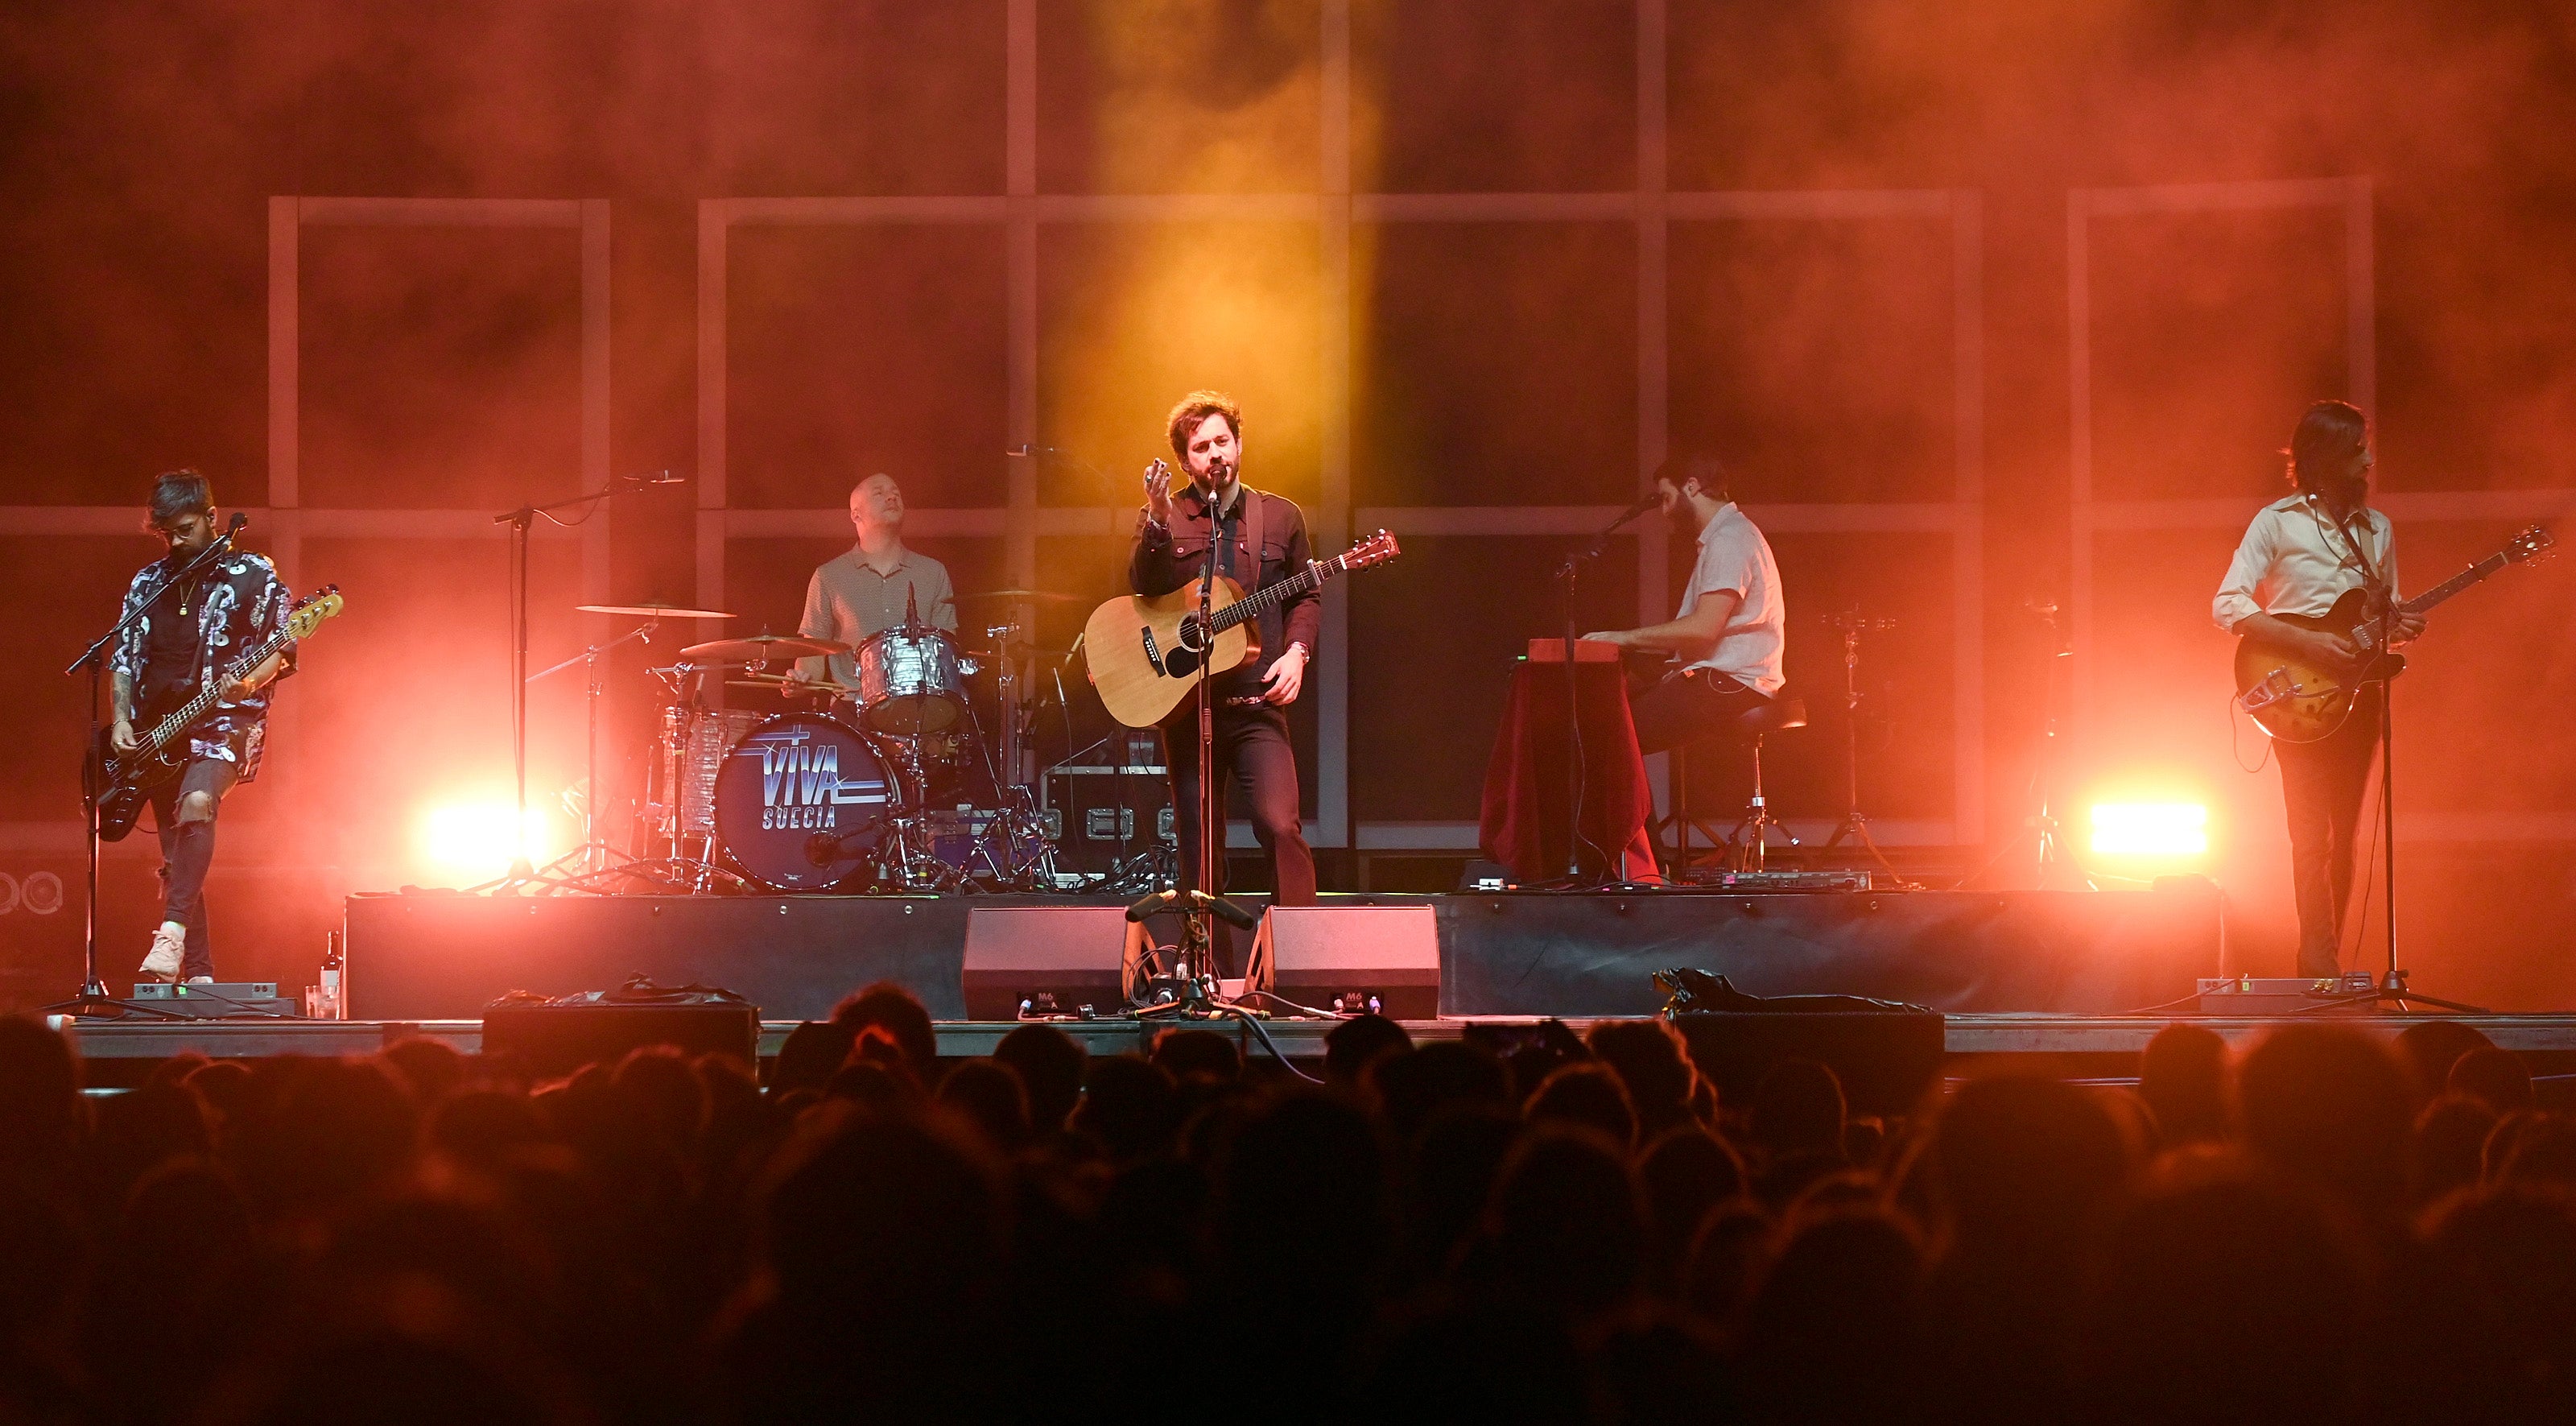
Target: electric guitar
1144	652
120	783
2297	702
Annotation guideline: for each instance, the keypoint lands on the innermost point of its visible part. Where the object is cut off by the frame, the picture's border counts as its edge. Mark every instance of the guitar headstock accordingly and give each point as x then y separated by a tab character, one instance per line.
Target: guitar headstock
310	611
2533	543
1376	549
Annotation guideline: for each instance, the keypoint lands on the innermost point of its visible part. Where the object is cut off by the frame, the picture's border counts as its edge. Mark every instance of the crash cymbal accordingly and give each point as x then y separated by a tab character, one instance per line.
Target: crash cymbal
1020	596
762	648
650	610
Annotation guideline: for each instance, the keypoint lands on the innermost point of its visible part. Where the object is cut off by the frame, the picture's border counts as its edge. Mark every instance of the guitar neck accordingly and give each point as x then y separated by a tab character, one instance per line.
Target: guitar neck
2455	583
1252	605
195	708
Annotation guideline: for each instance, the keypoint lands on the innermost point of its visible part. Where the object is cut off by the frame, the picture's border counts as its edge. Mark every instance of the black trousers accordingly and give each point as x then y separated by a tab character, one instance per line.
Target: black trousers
187	851
1687	707
1253	757
2321	786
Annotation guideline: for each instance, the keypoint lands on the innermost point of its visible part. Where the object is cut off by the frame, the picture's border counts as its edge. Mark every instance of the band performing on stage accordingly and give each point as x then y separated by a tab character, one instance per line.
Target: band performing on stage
886	747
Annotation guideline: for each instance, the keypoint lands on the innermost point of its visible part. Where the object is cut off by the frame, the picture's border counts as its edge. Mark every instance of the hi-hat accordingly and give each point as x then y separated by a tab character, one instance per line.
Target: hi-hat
652	611
763	648
1019	596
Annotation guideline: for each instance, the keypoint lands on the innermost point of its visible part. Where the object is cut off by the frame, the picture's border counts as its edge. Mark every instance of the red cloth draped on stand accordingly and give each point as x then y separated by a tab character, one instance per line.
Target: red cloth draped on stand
1524	822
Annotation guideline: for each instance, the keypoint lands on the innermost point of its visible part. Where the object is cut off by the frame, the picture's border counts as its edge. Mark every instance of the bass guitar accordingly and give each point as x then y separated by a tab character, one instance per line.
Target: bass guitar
1144	652
2298	702
120	783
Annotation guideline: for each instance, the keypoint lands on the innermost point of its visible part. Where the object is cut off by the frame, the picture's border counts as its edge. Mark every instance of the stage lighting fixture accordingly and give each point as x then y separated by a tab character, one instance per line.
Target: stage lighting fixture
2150	829
472	841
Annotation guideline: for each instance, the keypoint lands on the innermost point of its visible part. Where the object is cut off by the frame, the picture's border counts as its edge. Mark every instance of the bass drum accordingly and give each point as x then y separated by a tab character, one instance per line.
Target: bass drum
802	802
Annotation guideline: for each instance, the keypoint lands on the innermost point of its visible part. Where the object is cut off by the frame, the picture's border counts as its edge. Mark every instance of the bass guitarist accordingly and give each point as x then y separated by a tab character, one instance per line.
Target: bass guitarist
1259	539
2299	555
187	632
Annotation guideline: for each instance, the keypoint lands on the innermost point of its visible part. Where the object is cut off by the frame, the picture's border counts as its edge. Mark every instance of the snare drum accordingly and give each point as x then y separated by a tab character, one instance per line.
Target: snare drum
909	681
802	802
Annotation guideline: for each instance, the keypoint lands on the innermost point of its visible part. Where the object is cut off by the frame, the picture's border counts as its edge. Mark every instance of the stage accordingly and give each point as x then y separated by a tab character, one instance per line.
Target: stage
2075	981
1570	955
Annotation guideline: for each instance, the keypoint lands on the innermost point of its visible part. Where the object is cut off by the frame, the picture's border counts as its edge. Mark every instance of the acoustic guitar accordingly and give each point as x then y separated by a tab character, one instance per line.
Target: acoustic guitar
2297	702
1144	651
122	782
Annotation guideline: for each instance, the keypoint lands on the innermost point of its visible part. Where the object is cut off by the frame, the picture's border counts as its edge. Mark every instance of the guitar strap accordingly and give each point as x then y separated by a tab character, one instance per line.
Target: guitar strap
1250	578
2356	554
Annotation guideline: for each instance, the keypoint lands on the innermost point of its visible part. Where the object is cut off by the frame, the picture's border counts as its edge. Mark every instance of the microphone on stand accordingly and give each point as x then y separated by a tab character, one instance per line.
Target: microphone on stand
1645	502
659	477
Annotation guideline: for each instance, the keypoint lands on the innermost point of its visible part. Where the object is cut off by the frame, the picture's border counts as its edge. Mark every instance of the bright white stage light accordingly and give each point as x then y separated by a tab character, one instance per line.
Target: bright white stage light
471	841
2150	829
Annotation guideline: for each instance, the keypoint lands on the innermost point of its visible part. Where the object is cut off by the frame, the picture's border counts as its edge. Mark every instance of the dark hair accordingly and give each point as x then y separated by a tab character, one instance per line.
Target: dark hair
896	1010
1702	465
2329	433
1197	407
180	492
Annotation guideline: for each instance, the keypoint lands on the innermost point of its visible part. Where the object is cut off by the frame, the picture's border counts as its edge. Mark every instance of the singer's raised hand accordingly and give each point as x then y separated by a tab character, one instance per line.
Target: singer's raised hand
1158	493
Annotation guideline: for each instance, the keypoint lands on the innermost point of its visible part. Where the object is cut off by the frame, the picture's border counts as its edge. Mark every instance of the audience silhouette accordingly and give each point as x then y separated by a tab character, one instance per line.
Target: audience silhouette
2320	1225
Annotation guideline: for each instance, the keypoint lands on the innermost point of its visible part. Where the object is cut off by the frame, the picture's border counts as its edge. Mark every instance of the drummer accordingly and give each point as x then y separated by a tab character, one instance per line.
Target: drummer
865	590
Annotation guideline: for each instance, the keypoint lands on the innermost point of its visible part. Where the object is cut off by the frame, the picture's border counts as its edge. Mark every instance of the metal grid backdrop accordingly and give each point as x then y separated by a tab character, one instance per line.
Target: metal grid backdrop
286	522
2223	518
1336	211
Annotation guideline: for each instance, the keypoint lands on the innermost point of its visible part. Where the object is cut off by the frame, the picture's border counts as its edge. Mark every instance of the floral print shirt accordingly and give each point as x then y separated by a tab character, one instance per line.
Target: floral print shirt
238	603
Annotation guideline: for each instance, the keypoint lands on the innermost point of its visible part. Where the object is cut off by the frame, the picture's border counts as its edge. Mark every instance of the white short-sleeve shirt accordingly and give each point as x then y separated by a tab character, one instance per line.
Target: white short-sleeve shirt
1734	558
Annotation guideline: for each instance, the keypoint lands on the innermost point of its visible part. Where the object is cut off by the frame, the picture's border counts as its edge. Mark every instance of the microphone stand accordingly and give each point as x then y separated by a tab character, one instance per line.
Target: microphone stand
1204	906
2392	988
521	872
93	998
1566	575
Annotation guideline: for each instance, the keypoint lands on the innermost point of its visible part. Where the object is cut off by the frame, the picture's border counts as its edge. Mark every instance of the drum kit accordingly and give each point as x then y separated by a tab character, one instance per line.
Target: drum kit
873	775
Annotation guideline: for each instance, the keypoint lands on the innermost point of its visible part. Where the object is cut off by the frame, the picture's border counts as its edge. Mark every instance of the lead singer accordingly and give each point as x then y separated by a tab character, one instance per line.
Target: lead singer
1260	539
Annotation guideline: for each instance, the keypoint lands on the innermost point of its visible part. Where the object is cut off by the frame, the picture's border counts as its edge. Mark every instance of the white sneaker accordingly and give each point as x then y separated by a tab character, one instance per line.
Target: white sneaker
168	946
201	980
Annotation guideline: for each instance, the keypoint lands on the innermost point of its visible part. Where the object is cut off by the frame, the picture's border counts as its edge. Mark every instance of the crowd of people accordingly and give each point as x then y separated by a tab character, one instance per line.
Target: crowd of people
2325	1226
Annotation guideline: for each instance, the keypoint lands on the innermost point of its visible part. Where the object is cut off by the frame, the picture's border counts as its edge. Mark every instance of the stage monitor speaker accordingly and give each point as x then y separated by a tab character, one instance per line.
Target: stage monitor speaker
1044	960
1885	1060
552	1040
1355	959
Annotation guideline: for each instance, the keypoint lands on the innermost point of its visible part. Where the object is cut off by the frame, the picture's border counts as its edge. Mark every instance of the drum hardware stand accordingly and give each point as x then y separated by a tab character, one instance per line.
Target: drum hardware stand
1855	825
2041	834
519	521
93	998
676	868
594	853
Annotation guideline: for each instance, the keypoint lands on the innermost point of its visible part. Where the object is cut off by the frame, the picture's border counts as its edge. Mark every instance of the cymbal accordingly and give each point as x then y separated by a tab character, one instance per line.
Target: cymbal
762	648
651	610
1020	596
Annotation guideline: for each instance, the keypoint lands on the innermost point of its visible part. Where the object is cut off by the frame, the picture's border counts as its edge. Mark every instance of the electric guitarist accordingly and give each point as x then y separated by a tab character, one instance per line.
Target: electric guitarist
1259	539
187	636
2298	557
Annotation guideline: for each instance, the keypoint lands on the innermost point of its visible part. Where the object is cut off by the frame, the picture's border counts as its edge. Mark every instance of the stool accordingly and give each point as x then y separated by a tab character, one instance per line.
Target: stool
1778	715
